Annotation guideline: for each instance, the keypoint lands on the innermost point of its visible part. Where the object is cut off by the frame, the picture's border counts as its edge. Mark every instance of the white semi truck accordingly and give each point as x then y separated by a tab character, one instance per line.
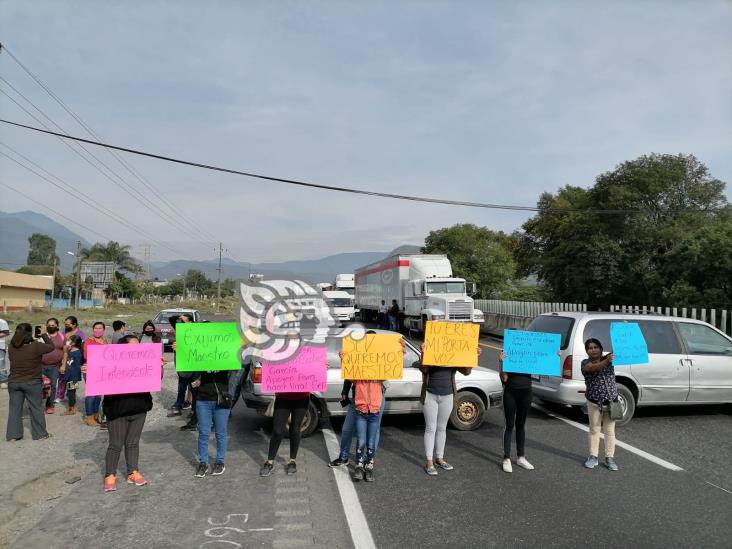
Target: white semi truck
423	287
342	304
344	283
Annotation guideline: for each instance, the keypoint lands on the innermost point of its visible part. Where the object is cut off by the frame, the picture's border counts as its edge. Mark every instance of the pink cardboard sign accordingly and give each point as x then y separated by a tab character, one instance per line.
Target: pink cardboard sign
122	369
305	373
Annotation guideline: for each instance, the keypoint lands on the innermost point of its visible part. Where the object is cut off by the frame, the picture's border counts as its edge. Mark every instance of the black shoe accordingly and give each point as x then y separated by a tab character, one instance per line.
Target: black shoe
186	405
202	470
189	427
338	462
291	468
174	413
266	469
218	468
358	473
368	474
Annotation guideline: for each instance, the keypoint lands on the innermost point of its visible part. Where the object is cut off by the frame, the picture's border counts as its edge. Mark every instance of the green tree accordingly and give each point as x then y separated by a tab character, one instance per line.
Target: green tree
114	252
41	250
477	254
621	258
196	281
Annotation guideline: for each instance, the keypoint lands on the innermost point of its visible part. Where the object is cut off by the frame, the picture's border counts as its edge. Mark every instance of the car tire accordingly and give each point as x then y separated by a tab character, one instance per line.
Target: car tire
468	412
627	401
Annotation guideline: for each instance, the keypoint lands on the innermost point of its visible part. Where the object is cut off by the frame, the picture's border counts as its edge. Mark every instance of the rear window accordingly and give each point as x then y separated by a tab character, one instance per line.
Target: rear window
551	324
660	336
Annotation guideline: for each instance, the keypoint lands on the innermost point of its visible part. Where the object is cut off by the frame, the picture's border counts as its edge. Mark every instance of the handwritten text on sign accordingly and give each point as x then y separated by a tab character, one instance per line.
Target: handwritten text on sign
629	345
531	353
306	373
451	344
376	356
122	369
206	346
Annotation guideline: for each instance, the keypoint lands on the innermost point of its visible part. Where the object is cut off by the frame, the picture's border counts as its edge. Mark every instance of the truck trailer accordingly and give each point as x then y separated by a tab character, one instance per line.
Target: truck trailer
423	287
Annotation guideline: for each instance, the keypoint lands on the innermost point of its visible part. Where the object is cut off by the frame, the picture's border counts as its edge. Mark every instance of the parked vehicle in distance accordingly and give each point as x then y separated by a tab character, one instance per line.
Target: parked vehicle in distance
163	327
689	361
345	283
342	304
423	287
476	393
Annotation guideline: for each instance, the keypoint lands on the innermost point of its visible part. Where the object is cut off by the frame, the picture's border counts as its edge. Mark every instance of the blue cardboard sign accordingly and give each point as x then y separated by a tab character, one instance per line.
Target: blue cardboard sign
531	353
629	345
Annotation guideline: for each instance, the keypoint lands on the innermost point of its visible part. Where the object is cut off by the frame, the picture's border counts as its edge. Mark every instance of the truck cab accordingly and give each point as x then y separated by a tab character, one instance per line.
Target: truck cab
439	298
342	304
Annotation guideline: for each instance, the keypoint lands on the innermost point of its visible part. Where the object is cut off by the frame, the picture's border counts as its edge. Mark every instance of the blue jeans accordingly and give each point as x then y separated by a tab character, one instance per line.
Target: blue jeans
206	410
51	372
349	426
3	366
91	403
183	383
367	427
392	323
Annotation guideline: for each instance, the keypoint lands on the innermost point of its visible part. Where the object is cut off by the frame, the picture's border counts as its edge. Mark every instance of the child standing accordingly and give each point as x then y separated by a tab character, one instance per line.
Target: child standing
71	371
368	398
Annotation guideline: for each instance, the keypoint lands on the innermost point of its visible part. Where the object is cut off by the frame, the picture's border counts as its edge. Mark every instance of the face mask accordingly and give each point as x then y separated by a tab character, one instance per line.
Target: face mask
52	329
98	333
67	328
149	332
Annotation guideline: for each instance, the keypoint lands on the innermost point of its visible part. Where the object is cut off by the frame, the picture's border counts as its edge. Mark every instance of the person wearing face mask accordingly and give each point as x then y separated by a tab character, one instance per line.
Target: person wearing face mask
71	328
92	403
52	361
148	333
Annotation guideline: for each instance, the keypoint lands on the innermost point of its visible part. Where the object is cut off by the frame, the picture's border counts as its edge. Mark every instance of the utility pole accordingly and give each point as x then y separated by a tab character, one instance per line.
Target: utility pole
53	288
218	291
78	273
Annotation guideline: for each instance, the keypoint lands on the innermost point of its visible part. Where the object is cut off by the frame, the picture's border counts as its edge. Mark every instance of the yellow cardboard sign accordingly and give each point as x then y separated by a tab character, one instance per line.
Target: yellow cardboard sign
451	344
376	356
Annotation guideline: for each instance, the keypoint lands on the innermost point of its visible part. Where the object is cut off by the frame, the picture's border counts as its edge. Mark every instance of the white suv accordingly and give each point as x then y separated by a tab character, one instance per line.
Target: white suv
689	361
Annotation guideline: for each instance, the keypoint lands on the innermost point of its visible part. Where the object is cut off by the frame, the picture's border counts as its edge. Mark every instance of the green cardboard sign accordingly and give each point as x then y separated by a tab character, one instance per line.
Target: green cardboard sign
207	346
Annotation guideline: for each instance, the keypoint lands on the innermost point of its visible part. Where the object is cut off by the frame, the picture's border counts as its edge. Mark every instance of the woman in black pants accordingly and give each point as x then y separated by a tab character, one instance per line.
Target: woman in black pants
516	404
286	404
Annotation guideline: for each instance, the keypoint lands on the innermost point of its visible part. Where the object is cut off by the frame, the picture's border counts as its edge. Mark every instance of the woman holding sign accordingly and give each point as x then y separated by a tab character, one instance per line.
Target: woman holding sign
601	390
126	415
92	403
516	405
287	405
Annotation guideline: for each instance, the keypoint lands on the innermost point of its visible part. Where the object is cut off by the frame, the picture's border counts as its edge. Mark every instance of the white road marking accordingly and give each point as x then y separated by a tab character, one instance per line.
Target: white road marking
723	489
625	446
357	524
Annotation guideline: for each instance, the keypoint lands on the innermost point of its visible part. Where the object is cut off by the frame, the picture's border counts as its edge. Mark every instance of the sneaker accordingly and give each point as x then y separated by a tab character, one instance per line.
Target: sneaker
358	473
444	465
507	468
103	425
49	410
338	462
610	464
368	474
266	469
70	411
431	471
202	470
186	405
591	462
3	385
110	483
136	478
523	462
218	468
174	413
189	427
291	468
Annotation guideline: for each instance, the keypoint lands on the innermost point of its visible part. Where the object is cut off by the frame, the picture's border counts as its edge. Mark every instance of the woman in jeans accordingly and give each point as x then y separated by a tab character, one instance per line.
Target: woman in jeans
24	382
286	405
516	406
601	389
126	415
210	386
92	403
437	397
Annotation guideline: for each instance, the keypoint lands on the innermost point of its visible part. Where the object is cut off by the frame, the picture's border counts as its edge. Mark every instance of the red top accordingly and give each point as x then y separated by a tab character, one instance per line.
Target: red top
88	342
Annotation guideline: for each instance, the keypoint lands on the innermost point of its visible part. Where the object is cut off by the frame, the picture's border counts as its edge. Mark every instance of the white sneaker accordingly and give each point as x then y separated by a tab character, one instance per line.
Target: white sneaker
507	468
3	385
524	463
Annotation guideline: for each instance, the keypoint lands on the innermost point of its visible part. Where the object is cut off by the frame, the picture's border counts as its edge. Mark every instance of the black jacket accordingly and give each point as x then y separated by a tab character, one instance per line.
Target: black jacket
116	406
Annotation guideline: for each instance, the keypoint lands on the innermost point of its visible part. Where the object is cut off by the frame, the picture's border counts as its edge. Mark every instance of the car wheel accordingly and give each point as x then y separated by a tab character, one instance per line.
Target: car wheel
627	402
310	422
468	412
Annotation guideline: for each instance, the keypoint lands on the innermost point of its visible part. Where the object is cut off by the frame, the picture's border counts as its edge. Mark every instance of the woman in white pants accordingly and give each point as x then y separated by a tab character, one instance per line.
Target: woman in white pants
438	392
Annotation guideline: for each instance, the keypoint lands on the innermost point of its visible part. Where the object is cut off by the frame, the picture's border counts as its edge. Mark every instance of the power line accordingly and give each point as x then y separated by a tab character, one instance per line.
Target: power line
68	188
126	187
348	189
91	132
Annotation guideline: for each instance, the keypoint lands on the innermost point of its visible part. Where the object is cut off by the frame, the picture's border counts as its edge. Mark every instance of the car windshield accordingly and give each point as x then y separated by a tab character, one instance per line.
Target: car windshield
351	291
163	317
551	324
445	288
341	302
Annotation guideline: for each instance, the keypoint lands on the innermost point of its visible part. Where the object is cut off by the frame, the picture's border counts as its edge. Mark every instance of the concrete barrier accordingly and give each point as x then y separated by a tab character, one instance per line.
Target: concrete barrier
495	323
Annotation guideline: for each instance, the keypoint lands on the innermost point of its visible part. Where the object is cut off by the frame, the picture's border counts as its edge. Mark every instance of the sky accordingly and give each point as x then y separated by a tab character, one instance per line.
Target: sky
492	102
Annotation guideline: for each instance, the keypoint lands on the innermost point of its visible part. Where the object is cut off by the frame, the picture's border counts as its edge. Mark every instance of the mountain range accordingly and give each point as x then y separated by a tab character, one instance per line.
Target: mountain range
15	229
